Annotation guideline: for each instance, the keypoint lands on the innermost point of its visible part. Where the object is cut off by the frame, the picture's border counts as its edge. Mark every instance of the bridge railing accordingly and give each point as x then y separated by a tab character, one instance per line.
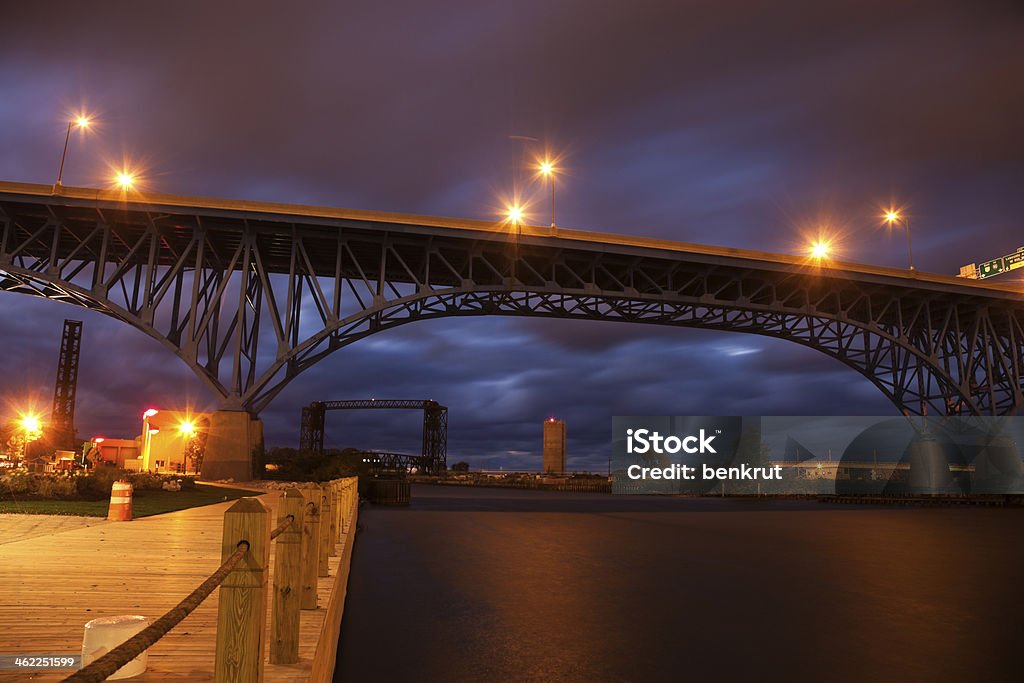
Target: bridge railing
312	520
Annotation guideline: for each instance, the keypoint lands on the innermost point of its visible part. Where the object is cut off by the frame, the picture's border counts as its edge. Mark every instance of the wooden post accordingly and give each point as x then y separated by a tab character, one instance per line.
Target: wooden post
310	545
353	494
339	491
242	605
350	493
343	514
325	528
332	492
284	619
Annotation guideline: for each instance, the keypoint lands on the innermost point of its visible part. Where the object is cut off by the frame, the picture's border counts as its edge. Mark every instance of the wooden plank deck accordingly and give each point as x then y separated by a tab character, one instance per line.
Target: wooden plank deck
51	585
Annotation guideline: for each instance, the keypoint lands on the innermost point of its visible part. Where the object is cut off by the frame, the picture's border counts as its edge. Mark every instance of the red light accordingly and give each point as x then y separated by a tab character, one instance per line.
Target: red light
98	439
150	413
153	430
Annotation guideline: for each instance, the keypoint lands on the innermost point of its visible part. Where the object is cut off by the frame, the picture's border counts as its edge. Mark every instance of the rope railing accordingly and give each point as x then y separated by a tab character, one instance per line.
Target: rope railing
315	518
282	527
106	665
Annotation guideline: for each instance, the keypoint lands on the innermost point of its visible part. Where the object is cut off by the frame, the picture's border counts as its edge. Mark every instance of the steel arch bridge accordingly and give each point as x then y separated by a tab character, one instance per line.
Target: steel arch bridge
251	294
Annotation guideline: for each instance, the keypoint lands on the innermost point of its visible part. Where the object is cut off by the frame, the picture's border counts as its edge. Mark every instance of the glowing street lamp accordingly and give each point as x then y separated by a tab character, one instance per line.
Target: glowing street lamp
187	428
32	426
125	180
547	169
81	122
819	249
893	216
514	213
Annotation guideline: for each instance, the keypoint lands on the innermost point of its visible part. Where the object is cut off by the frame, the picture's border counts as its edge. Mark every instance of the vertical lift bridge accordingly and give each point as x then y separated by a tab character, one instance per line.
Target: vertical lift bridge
434	456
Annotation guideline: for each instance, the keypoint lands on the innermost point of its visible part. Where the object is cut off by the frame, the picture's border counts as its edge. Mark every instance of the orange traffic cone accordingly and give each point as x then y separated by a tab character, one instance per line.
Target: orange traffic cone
120	502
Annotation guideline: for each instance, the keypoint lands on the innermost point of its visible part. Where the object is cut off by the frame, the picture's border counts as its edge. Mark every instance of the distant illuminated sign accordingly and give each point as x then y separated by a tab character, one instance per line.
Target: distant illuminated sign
998	266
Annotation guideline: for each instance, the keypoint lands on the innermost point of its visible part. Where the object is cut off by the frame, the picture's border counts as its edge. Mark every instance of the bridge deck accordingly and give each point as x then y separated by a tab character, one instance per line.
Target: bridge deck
51	585
302	213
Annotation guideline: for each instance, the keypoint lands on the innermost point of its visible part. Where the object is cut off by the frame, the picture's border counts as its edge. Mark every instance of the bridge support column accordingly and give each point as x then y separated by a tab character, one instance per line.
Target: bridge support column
929	467
236	436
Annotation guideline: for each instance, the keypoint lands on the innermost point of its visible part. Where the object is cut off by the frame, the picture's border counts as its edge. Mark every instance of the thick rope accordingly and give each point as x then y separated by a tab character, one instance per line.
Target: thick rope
282	526
130	649
106	665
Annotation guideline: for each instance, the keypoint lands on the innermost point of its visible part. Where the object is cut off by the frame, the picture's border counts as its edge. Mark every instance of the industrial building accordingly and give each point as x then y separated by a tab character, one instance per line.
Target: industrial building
114	451
554	446
160	448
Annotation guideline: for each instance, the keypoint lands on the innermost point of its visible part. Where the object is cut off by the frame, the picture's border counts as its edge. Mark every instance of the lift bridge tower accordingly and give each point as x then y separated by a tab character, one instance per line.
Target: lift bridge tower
62	417
434	455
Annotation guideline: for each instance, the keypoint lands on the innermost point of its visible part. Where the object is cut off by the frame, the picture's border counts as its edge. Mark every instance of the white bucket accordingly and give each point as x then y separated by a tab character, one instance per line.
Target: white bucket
104	634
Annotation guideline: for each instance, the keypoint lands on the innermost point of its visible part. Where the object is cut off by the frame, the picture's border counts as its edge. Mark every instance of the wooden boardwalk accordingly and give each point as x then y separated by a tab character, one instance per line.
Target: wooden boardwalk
51	585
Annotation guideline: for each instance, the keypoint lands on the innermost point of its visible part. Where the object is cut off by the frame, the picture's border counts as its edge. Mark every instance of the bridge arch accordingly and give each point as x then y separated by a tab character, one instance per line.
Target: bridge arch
866	349
16	280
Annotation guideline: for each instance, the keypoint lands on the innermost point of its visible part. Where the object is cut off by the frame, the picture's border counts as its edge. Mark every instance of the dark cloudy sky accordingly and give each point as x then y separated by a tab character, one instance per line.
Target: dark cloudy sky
733	123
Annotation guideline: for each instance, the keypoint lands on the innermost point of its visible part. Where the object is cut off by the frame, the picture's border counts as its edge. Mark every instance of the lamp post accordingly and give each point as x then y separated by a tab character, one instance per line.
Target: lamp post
188	431
894	216
514	215
149	446
81	122
147	436
32	427
547	169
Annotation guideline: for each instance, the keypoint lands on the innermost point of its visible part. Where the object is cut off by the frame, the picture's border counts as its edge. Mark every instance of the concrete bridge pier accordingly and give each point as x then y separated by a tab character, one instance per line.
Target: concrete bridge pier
929	467
233	447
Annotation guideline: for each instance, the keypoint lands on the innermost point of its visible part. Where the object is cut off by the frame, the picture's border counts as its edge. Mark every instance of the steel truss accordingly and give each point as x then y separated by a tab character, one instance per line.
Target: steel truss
251	299
434	454
397	462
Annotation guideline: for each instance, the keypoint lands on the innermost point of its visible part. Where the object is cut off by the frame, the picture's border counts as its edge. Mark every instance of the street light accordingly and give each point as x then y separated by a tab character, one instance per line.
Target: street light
547	169
187	428
147	436
32	426
81	122
125	180
893	216
820	249
514	214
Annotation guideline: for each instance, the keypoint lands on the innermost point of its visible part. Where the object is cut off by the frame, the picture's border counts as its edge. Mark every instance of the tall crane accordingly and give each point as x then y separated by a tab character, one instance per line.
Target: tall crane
997	266
62	417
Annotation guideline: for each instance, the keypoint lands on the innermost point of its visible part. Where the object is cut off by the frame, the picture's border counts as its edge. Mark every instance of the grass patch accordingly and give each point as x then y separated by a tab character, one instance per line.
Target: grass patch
144	503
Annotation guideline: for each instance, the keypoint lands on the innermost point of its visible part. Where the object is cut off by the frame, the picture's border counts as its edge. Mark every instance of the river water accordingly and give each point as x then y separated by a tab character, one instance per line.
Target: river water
501	585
